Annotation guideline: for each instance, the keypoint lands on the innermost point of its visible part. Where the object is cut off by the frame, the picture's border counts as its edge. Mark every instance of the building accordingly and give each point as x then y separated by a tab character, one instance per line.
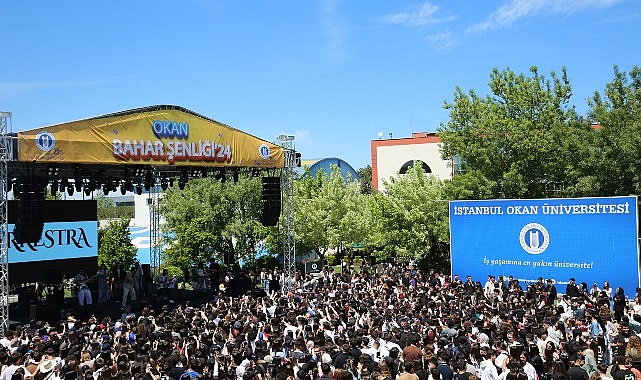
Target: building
394	156
325	164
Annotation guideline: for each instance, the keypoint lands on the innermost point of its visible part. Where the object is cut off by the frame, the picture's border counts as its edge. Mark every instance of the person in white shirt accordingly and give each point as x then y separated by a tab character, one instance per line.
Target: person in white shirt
528	368
488	289
500	359
486	367
16	362
8	339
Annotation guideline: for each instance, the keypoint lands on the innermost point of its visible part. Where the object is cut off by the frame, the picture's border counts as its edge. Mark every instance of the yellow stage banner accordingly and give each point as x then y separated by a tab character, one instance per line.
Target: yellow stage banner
155	137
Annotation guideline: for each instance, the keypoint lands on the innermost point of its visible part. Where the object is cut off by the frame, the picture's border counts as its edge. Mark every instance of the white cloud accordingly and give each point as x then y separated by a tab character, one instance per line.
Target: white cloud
442	41
423	16
507	14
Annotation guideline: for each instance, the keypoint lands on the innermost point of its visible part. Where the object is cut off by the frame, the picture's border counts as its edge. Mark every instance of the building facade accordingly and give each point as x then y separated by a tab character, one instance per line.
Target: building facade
391	157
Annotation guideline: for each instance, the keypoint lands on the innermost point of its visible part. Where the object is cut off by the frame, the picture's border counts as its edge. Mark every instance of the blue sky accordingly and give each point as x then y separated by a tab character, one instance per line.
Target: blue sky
332	73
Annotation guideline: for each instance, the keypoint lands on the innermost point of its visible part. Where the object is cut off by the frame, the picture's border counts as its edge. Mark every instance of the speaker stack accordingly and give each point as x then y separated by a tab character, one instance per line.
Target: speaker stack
271	201
29	219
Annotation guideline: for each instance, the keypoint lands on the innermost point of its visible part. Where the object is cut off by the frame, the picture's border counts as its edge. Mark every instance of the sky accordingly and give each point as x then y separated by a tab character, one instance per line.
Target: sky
332	73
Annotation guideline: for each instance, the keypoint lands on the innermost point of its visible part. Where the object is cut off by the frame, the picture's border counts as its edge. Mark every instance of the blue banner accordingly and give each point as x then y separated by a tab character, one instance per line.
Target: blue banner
590	239
60	240
140	238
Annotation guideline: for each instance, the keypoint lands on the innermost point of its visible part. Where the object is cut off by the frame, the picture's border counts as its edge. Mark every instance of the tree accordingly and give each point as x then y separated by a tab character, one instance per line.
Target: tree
210	219
365	174
618	145
469	185
114	244
412	218
330	213
525	136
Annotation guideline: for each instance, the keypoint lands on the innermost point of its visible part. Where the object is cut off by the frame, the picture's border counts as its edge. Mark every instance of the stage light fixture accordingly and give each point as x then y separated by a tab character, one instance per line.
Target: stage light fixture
139	189
181	184
105	189
53	171
164	184
147	186
70	189
87	191
123	189
63	185
171	182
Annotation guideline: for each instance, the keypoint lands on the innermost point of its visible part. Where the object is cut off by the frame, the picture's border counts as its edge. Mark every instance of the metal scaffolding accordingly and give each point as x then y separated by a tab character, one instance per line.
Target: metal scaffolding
154	229
5	156
287	186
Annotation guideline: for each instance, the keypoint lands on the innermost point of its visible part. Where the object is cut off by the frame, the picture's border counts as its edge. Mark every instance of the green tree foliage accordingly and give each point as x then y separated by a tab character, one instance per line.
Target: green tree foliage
114	244
524	136
617	171
330	213
366	180
209	218
412	218
108	210
469	185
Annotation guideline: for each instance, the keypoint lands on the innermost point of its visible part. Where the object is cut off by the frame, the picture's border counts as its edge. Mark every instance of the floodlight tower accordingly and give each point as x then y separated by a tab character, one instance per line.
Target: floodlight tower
5	156
287	188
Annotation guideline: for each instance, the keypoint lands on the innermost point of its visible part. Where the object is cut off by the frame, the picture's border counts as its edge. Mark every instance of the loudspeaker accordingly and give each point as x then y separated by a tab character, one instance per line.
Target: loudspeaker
239	286
29	218
271	201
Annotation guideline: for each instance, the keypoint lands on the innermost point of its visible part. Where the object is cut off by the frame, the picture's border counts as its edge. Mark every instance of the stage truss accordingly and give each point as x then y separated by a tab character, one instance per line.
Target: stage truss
155	245
5	156
287	218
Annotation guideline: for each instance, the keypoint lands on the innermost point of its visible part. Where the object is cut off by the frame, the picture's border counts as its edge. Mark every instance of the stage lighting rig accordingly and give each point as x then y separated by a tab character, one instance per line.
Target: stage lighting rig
53	171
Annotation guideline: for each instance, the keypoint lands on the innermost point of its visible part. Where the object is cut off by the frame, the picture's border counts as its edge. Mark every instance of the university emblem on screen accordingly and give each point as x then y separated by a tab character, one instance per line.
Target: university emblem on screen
534	238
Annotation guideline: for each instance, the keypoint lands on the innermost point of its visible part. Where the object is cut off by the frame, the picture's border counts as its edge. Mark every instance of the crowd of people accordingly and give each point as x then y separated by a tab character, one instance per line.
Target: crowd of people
390	322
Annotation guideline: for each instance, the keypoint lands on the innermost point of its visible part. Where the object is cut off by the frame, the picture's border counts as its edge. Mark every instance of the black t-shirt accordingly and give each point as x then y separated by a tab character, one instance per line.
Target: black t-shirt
462	376
176	372
623	374
578	373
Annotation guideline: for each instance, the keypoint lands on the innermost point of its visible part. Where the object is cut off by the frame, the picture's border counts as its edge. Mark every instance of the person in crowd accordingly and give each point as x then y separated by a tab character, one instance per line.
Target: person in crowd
620	302
103	284
572	289
128	286
162	282
81	281
575	370
621	370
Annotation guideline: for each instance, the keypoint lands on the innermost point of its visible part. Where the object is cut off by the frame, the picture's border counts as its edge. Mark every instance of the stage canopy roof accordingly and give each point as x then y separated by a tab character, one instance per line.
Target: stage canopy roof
165	139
